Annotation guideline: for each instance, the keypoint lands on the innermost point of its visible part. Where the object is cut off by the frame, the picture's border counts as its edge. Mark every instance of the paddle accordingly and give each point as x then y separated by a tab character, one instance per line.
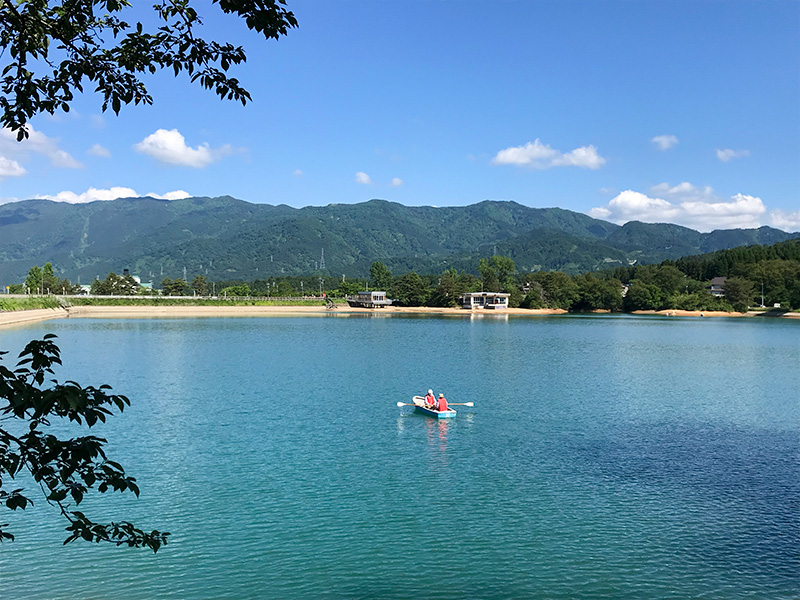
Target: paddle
448	404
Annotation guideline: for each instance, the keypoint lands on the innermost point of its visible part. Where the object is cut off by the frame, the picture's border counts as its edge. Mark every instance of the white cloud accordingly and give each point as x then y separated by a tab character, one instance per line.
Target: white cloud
10	168
363	178
787	221
727	155
698	208
169	146
297	173
685	191
93	194
40	144
98	150
536	155
635	206
665	142
396	182
176	195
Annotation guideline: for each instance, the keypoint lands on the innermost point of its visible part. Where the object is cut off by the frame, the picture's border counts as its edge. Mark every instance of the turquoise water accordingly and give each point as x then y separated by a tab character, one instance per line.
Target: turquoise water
605	457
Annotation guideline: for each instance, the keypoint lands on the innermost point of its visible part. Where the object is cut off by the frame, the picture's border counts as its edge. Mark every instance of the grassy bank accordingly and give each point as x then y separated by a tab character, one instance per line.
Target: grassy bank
30	303
189	301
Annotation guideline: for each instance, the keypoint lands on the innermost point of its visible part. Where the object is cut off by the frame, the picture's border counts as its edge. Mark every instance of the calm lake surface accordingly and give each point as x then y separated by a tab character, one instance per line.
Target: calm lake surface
606	457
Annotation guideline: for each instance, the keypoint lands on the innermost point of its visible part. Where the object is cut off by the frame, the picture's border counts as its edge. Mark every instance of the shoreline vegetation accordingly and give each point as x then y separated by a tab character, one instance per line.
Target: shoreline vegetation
27	312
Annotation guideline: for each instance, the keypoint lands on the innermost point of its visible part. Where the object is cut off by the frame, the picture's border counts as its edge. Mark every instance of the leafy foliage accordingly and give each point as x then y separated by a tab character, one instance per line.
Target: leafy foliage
44	281
200	285
115	285
381	276
410	290
739	292
236	290
52	48
177	287
65	469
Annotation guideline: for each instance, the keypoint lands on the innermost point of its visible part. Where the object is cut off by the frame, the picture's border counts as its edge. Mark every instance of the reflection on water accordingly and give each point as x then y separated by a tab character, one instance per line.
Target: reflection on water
479	316
437	434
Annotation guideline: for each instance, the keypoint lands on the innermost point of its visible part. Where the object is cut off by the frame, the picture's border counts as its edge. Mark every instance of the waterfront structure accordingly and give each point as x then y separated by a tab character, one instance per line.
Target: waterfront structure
369	300
492	300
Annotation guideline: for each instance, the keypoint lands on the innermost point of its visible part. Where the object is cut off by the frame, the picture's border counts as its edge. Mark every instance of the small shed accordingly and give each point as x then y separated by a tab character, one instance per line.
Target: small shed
493	300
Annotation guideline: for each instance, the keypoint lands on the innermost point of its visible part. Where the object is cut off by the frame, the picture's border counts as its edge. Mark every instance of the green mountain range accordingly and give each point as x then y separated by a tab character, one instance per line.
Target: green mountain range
226	238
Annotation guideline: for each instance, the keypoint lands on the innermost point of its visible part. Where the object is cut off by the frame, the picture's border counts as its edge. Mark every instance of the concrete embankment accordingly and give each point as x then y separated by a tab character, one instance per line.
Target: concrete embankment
18	317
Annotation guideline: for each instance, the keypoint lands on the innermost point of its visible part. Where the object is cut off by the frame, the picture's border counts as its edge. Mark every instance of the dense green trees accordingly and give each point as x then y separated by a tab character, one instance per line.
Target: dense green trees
497	273
115	285
550	289
450	286
175	287
751	272
410	290
595	293
381	276
739	292
66	469
236	290
44	281
200	285
643	296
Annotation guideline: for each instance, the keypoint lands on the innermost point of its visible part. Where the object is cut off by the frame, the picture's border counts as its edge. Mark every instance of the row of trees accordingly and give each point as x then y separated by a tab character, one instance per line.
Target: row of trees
768	282
755	276
44	281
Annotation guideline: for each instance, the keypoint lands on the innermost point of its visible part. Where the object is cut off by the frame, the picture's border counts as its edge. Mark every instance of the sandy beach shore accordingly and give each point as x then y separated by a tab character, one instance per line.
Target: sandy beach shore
715	313
22	317
114	312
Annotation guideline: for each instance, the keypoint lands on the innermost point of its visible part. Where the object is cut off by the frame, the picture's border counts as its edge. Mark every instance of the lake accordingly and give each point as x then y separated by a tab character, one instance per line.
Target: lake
606	457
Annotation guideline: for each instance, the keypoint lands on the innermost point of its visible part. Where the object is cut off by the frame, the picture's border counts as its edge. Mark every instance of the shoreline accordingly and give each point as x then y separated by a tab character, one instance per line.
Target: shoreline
23	317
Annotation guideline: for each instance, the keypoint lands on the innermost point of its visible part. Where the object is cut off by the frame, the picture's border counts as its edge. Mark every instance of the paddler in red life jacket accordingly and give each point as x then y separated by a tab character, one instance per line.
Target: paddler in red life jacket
430	399
442	403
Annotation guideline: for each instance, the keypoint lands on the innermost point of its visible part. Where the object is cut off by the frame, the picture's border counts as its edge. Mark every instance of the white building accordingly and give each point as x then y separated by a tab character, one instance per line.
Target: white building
492	300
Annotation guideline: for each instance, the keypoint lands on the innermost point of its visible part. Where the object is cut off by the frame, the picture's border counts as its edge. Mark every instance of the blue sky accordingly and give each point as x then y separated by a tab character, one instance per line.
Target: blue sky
660	111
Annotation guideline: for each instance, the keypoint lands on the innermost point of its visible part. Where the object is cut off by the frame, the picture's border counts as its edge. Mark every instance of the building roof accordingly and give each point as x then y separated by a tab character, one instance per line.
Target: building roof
492	294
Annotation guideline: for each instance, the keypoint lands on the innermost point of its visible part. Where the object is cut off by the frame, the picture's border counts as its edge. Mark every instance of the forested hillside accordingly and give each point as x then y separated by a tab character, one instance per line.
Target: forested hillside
226	238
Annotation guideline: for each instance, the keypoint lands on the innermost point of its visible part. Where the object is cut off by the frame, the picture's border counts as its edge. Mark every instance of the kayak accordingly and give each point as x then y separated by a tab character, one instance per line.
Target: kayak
419	406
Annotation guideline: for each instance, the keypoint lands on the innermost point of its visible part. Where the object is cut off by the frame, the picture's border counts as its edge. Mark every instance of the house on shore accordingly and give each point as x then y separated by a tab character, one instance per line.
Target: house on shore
493	300
369	300
717	287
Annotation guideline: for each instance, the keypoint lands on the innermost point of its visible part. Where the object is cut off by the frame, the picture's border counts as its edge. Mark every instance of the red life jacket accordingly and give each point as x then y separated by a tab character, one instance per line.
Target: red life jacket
443	404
